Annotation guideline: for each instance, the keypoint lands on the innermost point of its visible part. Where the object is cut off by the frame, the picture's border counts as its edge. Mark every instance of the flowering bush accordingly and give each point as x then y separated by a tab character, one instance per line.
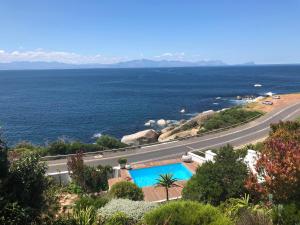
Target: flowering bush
134	210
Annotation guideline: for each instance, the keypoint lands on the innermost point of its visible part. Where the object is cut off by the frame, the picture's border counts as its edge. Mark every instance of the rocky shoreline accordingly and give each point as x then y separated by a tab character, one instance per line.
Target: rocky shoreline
169	130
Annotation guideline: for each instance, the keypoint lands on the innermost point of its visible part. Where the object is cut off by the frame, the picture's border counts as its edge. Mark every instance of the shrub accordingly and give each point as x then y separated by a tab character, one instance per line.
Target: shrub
134	210
277	169
186	213
288	214
248	217
74	188
229	117
122	161
27	181
62	147
126	189
63	220
90	179
218	181
87	201
118	218
13	213
86	216
109	142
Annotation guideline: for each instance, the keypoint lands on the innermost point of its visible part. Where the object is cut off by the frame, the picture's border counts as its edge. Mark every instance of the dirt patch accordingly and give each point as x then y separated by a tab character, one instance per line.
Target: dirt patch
285	100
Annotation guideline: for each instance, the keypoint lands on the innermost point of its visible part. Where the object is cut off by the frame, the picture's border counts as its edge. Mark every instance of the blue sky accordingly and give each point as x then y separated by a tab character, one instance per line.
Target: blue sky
95	31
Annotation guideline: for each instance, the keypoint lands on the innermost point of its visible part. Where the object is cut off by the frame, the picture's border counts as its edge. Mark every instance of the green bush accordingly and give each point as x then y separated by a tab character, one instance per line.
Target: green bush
86	216
122	161
108	142
218	181
13	213
87	201
288	214
74	188
229	117
118	218
27	181
62	147
186	213
90	179
128	190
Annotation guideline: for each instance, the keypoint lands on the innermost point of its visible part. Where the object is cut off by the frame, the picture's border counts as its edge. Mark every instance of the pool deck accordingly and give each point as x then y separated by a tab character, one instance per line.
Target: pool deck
156	194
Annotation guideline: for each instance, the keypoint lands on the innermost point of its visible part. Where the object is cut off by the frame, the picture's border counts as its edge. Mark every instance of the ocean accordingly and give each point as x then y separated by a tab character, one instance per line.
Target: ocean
42	105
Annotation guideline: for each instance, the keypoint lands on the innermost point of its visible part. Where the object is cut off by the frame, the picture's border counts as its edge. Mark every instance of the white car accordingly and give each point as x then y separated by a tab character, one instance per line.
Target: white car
267	102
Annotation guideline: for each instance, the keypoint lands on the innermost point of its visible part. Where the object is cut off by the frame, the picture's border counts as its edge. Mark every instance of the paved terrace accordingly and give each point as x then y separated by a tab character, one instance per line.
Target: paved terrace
152	193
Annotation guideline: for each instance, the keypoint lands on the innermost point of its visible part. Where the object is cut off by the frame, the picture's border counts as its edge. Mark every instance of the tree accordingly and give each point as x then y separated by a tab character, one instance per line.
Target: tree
278	167
217	181
167	181
90	179
128	190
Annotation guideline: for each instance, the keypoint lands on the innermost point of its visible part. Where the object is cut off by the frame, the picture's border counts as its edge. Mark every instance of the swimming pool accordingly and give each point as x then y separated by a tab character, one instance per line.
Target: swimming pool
148	176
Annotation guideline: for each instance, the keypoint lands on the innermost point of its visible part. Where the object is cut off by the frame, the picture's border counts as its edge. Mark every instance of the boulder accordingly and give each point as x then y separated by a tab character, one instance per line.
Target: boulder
162	123
142	137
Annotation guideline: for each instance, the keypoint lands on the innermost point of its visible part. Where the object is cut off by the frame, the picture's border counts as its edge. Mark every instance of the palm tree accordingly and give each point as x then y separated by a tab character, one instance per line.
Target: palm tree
166	181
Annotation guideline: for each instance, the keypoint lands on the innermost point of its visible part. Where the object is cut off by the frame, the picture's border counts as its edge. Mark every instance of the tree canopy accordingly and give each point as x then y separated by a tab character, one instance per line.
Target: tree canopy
217	181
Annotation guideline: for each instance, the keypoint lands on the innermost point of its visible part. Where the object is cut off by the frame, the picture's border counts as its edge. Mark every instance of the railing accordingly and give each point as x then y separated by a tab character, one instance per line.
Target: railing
131	148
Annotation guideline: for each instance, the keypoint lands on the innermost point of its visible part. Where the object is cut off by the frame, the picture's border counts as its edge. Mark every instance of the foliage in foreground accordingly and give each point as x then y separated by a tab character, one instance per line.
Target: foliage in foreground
128	190
278	167
215	182
90	201
24	188
134	210
186	213
90	179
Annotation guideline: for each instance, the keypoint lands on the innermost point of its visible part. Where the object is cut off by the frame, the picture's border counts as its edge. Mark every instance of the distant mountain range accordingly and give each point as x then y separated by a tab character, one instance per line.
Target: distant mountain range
141	63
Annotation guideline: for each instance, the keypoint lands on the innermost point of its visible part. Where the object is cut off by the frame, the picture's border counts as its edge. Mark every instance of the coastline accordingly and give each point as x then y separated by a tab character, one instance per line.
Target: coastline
184	129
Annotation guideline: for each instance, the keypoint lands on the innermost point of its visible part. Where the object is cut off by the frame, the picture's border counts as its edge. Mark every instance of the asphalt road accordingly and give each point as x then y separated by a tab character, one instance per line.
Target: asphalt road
238	136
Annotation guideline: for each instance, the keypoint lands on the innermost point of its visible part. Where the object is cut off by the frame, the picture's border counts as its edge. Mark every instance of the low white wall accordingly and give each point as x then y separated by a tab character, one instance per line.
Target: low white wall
196	158
62	178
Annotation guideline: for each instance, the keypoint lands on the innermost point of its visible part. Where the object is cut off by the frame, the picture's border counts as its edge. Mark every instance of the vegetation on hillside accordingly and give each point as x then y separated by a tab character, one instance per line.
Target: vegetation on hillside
63	147
228	117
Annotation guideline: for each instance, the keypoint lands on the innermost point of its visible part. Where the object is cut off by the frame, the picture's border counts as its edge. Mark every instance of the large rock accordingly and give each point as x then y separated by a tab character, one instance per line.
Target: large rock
142	137
162	123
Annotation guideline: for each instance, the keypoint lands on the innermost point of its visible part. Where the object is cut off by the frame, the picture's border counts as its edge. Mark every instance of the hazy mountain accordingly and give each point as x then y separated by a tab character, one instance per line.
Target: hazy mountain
141	63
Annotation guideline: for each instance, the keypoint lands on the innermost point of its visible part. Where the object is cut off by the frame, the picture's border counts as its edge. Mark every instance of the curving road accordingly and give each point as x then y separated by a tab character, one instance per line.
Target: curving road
238	136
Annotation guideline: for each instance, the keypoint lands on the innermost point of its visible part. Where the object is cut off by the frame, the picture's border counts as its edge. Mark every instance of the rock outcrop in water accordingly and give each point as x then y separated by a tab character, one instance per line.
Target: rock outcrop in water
142	137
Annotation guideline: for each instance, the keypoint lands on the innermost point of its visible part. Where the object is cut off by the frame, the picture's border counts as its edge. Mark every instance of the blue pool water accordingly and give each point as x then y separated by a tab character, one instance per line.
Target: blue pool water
148	176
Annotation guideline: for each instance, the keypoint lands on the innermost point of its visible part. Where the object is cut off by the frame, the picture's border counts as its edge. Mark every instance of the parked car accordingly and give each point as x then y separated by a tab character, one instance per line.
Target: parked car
267	102
276	97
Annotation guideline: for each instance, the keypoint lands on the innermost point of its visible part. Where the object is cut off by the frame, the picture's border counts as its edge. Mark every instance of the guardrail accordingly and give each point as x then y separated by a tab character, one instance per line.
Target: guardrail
131	148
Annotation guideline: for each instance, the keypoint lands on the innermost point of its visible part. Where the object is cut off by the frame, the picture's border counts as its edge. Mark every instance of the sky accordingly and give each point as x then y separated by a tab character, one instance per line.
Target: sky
109	31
